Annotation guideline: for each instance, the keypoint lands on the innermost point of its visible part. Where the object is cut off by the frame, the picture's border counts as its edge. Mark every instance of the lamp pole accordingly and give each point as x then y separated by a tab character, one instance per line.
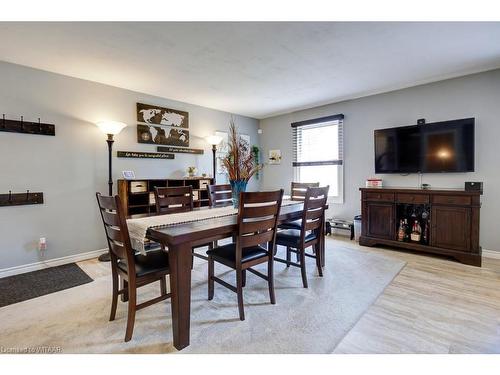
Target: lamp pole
214	140
106	257
110	142
214	150
110	128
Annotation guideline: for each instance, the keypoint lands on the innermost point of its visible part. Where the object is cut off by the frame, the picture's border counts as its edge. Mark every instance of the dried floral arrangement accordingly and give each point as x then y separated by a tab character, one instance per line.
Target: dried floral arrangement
239	162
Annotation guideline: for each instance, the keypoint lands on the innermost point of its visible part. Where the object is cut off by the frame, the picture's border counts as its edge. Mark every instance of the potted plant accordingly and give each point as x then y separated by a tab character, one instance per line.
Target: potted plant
239	163
191	171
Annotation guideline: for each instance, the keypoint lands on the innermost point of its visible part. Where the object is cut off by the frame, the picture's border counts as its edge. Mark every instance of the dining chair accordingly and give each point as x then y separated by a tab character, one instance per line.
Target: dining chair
255	244
219	195
134	270
297	193
171	200
309	235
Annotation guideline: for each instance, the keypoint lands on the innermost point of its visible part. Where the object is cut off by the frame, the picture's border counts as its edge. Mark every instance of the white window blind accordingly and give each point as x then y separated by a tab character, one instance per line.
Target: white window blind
318	152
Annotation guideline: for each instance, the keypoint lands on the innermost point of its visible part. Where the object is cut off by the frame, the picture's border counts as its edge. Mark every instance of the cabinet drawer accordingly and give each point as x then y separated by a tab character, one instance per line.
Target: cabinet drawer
380	197
412	198
459	200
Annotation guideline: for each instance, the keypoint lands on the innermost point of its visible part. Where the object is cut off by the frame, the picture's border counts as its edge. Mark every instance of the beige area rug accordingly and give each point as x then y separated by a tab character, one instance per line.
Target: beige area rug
312	320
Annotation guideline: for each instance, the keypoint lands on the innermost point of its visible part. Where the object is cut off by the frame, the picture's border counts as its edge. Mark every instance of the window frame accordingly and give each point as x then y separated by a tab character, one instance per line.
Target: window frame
339	199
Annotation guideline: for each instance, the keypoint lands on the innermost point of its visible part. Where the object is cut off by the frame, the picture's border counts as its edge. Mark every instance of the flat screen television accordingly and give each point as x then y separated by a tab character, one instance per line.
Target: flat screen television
446	146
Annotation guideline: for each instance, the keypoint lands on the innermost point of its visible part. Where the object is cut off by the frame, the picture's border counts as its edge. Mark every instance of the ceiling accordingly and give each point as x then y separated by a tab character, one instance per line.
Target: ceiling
255	69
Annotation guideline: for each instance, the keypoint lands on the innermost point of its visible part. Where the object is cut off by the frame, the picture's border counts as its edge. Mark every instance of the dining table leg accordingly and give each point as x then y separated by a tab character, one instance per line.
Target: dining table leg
180	288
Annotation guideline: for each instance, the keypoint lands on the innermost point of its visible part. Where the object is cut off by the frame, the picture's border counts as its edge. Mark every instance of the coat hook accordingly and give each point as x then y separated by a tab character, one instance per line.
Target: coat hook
39	125
27	195
10	196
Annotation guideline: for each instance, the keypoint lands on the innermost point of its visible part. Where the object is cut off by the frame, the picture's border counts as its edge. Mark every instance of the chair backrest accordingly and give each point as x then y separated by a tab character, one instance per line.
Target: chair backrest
298	190
170	200
115	227
257	220
314	210
219	195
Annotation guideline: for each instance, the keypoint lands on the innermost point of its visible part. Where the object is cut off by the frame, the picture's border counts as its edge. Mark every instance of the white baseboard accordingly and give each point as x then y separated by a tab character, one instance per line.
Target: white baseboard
491	254
50	263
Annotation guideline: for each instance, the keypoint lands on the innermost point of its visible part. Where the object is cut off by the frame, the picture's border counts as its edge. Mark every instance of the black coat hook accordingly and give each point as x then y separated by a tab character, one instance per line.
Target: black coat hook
27	195
10	196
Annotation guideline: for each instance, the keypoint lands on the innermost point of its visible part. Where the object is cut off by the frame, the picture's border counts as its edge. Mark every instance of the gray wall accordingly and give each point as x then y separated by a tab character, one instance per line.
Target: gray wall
70	167
470	96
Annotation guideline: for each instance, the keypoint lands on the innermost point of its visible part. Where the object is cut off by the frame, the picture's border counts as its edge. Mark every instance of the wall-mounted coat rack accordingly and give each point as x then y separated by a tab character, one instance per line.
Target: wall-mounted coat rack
21	126
20	199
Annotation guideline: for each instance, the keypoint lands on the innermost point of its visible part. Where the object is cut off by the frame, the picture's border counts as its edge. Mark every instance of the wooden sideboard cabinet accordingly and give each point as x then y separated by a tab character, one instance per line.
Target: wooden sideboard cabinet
451	217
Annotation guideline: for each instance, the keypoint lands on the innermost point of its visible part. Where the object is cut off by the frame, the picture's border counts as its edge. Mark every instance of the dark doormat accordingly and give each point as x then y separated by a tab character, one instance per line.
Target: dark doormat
29	285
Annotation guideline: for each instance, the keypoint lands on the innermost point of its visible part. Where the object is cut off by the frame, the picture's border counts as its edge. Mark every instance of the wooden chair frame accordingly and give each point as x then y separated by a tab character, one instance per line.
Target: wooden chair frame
170	200
219	195
298	190
257	223
120	249
313	219
181	198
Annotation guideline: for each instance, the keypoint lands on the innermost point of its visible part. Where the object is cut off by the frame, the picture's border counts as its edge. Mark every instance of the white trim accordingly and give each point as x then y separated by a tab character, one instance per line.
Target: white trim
50	263
491	254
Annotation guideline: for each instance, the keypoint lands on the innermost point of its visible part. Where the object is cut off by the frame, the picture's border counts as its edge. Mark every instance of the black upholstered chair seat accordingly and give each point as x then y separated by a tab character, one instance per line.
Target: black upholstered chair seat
291	237
153	262
226	254
295	224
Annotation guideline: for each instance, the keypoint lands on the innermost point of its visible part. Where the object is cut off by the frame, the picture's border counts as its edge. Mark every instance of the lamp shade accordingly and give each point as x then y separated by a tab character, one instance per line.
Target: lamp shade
214	139
111	127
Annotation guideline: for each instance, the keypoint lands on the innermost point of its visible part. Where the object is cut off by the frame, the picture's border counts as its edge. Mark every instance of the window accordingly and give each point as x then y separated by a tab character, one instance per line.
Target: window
318	153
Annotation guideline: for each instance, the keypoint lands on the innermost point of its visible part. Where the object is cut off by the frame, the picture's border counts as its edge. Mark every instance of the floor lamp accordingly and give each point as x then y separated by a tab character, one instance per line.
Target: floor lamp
214	140
110	128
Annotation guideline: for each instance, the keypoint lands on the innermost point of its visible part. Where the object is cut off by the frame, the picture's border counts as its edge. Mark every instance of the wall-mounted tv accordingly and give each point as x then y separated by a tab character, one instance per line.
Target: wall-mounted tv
446	146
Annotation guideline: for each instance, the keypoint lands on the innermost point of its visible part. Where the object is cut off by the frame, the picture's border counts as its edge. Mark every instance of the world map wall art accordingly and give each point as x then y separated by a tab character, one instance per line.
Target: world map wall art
162	126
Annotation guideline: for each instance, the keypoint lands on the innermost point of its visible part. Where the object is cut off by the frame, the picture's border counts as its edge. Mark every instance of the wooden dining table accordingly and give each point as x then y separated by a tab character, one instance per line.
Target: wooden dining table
180	239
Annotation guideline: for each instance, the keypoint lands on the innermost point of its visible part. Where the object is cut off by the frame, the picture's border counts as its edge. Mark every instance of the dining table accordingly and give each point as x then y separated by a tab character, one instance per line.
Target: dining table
180	240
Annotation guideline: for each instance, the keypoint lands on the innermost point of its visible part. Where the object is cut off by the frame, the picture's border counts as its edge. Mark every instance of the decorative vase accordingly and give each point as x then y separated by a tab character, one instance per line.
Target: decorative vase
237	186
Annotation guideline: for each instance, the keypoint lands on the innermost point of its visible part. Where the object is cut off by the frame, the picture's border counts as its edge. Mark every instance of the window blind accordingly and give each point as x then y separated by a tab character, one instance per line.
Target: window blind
318	141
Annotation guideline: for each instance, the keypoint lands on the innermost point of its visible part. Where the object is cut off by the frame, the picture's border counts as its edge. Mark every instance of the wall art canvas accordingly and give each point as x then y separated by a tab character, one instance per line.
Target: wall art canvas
152	114
274	157
222	150
159	135
246	140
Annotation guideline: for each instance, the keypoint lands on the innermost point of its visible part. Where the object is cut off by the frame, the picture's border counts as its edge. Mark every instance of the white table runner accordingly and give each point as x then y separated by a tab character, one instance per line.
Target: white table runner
138	227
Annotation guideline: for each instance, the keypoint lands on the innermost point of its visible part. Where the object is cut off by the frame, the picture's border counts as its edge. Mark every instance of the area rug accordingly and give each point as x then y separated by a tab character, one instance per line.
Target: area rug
29	285
312	320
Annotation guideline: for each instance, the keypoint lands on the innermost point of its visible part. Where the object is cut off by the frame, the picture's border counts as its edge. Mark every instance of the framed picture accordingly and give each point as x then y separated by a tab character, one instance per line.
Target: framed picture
222	150
152	114
128	175
246	140
274	157
159	135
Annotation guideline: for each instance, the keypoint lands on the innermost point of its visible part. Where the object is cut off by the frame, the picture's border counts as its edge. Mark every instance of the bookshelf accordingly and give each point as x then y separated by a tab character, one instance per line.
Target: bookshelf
137	195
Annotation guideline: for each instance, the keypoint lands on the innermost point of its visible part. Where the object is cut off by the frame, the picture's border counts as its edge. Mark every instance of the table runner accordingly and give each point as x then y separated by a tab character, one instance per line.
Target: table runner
138	227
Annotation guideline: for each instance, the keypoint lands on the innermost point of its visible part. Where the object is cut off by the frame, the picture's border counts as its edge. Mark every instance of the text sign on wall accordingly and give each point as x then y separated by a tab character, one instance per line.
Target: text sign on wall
144	155
180	150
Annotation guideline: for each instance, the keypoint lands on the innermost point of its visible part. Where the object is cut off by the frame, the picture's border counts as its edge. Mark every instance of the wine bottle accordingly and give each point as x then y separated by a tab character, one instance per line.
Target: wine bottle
406	237
425	239
415	232
401	231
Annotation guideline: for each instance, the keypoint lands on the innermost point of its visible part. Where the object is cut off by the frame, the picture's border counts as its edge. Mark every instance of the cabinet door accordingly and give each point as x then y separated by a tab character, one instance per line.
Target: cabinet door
451	227
380	220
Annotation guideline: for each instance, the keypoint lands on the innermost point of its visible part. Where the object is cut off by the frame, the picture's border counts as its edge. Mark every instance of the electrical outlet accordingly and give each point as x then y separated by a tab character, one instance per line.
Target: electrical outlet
42	244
